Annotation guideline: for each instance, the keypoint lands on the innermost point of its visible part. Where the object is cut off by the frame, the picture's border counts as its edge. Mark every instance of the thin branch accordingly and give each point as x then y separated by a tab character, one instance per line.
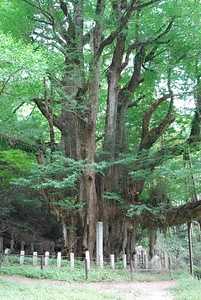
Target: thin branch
167	29
45	13
18	107
135	103
40	21
8	79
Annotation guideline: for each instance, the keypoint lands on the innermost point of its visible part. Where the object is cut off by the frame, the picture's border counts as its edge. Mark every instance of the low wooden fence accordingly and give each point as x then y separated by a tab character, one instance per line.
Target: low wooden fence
139	261
45	251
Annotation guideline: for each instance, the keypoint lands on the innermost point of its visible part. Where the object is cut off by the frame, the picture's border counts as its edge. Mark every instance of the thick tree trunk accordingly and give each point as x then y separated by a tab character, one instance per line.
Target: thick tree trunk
86	147
152	241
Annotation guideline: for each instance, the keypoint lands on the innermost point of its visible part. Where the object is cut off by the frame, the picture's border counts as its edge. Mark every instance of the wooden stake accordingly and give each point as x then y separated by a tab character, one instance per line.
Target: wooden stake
86	268
190	248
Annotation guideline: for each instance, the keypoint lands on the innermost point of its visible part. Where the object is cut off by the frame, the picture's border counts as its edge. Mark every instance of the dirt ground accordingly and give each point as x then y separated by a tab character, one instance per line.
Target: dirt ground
139	290
126	290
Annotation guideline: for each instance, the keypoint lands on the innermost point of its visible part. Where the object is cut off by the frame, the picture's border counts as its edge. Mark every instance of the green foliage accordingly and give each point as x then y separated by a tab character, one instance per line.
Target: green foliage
70	203
136	210
174	178
18	159
23	68
13	16
5	211
187	288
14	164
113	196
60	173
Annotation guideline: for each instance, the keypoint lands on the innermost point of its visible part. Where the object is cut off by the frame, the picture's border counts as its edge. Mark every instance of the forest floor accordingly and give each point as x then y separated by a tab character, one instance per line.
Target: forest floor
126	290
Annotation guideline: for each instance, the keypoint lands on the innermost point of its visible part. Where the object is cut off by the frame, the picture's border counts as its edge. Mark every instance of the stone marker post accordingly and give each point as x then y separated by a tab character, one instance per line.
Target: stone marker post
101	261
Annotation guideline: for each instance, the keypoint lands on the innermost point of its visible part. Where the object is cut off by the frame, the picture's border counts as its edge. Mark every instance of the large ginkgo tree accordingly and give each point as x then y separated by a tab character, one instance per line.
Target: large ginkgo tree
96	91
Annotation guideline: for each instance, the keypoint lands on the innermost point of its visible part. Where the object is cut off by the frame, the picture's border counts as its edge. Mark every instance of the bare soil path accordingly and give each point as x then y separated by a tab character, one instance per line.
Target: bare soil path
139	290
126	290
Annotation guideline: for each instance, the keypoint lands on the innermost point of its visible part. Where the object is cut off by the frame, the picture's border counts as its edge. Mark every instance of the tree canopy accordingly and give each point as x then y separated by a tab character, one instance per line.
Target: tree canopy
106	96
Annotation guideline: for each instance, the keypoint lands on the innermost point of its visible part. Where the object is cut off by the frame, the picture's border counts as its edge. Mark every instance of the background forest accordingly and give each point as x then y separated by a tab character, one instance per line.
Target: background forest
100	119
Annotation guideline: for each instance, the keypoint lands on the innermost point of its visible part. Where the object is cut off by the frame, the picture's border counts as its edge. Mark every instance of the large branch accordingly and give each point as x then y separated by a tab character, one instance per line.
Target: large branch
124	21
42	107
149	137
127	91
115	33
173	216
21	145
191	211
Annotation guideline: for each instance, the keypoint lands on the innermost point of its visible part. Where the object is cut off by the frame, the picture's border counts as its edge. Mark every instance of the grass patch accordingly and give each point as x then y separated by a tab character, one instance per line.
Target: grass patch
67	274
35	291
187	287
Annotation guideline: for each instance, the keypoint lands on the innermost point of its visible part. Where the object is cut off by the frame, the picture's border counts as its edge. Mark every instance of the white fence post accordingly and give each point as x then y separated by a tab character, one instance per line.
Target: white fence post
87	257
99	242
22	253
58	259
35	258
72	260
112	261
124	261
47	258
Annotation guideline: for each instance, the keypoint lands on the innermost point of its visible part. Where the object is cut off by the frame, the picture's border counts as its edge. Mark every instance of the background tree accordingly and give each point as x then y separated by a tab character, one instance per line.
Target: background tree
100	110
